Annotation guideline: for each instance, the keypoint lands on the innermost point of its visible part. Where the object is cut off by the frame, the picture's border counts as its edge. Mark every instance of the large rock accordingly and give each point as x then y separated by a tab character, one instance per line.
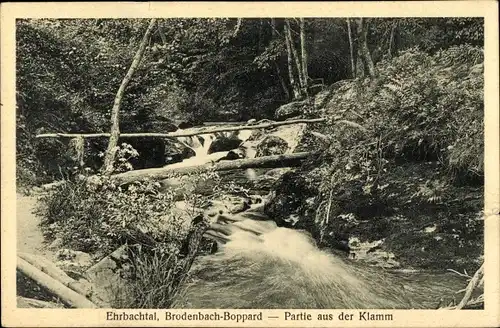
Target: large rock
177	152
292	109
162	124
224	143
271	145
109	277
291	203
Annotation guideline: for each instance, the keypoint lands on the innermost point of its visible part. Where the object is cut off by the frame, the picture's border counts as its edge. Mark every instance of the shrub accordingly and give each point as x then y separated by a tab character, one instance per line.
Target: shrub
94	214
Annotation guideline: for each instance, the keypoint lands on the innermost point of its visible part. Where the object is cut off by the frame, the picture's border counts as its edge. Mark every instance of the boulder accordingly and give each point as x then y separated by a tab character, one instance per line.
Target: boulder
290	205
186	124
271	145
224	143
292	109
109	277
177	152
233	154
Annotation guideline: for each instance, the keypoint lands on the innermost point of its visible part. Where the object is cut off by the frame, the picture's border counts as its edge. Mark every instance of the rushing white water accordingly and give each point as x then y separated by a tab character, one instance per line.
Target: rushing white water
260	265
201	145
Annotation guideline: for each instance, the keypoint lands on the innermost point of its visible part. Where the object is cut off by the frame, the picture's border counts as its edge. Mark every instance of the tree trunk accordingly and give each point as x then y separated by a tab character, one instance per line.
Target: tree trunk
67	296
237	28
282	81
115	111
351	51
293	83
287	160
298	64
276	66
391	38
363	48
53	271
303	50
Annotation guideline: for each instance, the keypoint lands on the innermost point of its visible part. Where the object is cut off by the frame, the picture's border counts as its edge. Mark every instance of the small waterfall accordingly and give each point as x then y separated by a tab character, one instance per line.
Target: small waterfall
207	142
201	146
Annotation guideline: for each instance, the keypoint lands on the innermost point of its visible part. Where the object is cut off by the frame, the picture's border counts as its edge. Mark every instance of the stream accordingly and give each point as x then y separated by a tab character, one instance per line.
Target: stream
261	265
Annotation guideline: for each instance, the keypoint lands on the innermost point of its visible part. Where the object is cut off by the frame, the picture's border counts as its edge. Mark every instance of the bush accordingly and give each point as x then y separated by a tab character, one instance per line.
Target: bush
93	215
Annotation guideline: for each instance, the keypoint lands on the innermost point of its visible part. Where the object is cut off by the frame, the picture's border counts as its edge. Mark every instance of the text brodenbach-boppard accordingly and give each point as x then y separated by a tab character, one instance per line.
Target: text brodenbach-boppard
241	317
215	316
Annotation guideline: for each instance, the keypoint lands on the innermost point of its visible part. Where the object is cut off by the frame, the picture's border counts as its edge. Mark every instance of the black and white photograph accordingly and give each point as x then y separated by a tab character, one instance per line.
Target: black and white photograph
286	162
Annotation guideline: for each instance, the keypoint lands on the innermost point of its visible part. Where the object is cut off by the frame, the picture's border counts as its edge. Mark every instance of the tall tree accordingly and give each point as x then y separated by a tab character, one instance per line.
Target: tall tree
303	50
289	52
351	52
297	60
276	66
109	159
363	50
391	38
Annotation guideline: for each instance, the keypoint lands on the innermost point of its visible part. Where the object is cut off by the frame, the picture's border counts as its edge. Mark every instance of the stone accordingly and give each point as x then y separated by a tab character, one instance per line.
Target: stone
292	109
162	124
107	277
232	155
287	206
371	253
224	143
71	258
271	145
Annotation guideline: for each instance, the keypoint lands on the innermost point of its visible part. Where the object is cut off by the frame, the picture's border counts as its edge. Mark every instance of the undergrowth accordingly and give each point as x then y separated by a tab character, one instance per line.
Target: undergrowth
93	214
420	109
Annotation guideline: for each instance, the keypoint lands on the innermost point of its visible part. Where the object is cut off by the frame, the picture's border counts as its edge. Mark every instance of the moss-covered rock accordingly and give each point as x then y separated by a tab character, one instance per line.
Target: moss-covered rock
271	145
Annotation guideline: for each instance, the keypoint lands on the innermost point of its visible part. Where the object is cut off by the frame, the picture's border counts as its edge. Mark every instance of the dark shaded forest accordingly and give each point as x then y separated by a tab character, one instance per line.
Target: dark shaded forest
369	141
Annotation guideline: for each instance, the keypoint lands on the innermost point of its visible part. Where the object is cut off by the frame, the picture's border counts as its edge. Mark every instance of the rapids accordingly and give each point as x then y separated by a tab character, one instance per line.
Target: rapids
201	145
260	265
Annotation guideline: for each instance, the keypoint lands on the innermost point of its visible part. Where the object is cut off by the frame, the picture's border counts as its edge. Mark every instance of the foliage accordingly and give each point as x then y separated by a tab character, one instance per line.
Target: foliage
96	215
153	284
421	108
421	153
124	154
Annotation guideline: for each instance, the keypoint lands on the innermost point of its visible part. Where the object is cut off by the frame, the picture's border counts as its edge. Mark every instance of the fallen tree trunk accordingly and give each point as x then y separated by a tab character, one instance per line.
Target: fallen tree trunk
53	271
67	296
286	160
183	133
473	283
